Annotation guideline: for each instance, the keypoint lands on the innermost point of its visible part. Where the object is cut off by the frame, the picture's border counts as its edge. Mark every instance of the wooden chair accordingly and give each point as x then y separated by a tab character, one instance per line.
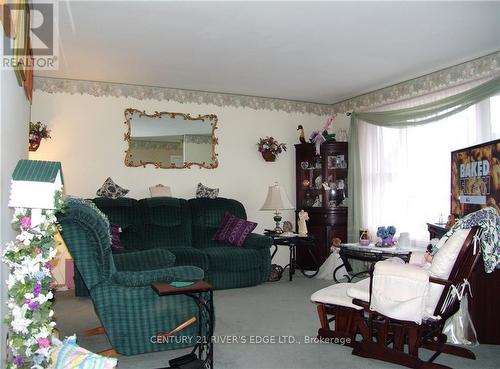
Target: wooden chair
399	341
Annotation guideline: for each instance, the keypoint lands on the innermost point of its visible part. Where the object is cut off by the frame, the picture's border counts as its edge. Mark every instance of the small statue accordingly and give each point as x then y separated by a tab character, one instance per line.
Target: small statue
302	138
303	218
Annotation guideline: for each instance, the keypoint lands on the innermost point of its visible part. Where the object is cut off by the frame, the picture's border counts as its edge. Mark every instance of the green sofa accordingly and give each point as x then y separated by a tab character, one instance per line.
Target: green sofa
185	228
129	309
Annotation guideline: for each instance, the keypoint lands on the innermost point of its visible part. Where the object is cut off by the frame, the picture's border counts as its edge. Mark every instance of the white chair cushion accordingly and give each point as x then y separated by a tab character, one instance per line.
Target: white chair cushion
441	266
335	294
444	259
360	290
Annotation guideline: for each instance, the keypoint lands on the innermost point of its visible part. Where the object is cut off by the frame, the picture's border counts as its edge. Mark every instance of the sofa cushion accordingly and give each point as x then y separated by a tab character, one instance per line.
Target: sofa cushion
207	215
234	230
167	222
111	190
124	213
207	192
232	258
190	256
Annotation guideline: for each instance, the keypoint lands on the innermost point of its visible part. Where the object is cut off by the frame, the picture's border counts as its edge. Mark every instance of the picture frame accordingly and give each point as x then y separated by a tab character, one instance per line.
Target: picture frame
21	42
475	178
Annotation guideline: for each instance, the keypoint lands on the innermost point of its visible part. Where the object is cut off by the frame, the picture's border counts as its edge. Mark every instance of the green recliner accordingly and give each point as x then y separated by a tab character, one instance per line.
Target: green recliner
131	313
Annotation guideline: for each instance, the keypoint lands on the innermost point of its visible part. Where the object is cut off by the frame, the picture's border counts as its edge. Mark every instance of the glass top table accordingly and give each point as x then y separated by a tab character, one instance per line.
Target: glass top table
363	257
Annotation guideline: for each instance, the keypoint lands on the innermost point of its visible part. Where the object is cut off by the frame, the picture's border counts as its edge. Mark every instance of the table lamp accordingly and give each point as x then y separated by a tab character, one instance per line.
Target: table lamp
277	200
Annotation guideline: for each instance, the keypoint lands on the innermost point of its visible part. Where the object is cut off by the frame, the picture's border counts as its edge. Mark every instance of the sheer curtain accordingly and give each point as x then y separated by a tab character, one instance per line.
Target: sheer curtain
405	172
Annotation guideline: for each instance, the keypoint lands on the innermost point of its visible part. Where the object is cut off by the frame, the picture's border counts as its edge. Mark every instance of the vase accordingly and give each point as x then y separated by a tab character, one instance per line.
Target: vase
268	156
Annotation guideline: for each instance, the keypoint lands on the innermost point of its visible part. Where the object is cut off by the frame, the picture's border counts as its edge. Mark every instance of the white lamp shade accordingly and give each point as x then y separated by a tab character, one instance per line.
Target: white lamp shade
276	199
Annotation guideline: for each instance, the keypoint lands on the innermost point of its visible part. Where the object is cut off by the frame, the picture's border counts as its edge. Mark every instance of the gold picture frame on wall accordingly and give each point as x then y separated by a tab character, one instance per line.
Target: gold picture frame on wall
170	140
21	41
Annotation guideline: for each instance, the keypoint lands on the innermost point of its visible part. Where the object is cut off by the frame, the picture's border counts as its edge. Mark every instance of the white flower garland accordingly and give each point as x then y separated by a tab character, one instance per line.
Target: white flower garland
29	289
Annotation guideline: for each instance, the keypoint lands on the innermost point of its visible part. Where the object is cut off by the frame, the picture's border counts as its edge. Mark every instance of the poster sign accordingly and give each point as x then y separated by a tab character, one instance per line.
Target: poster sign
475	178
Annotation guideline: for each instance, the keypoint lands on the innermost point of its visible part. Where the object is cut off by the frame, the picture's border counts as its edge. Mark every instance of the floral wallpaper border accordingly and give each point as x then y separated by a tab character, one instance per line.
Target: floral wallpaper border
480	68
71	86
486	67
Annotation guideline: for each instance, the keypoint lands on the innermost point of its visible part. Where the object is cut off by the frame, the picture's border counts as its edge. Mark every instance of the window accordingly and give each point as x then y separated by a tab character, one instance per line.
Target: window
405	173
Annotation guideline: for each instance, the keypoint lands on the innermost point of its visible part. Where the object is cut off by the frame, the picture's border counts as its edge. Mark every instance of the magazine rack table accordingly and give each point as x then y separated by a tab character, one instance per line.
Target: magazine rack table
202	294
369	254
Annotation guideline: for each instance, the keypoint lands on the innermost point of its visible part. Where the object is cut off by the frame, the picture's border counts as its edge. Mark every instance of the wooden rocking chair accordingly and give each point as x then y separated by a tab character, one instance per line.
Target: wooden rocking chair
387	337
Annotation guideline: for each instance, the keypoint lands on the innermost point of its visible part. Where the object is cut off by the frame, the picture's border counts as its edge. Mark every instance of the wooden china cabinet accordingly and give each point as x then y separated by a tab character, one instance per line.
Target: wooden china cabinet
321	191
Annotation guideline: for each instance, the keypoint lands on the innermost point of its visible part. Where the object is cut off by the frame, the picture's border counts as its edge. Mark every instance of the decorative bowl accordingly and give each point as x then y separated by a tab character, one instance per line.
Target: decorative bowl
364	242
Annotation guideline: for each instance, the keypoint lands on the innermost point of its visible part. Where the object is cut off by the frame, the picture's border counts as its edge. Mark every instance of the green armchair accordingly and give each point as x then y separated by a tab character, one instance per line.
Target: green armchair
131	313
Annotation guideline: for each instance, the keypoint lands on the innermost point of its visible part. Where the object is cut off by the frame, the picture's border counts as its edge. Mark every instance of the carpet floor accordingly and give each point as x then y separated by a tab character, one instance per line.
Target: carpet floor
279	311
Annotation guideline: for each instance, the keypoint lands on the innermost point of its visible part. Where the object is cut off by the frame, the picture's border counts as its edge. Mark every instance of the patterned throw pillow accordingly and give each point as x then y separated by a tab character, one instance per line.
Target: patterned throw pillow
233	230
207	192
116	243
111	190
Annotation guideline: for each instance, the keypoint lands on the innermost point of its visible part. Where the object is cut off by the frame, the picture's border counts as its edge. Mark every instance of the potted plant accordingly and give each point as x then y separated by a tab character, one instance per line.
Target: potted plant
37	132
270	148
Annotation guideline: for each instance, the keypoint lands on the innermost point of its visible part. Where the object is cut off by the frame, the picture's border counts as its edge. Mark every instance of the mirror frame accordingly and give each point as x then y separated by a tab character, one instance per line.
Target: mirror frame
129	161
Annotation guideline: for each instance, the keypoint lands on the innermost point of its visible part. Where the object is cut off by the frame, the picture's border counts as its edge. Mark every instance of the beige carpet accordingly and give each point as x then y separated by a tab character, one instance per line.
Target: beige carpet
279	312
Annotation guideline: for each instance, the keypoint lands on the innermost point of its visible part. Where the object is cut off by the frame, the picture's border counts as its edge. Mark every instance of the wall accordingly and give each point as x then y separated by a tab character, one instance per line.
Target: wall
87	137
14	118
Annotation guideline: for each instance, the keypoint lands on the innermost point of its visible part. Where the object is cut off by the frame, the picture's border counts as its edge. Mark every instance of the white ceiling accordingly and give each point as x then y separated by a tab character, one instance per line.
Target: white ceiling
309	51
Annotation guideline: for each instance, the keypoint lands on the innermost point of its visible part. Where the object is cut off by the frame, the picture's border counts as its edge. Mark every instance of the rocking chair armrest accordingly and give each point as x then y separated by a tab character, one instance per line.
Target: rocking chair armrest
444	282
364	304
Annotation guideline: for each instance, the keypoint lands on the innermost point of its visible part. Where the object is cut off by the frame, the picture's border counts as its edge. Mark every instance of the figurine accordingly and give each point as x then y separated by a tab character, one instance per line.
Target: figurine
303	218
302	138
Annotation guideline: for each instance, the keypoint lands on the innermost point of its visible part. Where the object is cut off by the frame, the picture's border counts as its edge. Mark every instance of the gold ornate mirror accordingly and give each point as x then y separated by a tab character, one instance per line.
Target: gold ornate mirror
170	140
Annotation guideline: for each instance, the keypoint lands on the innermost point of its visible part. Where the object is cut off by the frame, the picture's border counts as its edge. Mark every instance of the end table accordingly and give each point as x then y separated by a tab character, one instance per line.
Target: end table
202	294
294	241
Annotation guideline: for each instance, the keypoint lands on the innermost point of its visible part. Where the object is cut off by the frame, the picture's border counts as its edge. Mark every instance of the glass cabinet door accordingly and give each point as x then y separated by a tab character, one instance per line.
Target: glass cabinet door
335	181
310	183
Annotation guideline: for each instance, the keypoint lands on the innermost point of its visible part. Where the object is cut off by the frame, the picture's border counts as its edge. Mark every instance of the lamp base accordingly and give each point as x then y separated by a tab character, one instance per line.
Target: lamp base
277	219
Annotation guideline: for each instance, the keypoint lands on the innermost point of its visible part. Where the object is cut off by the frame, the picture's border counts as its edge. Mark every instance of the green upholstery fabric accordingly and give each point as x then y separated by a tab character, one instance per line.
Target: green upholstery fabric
129	315
145	278
207	215
232	258
185	228
124	212
167	222
139	260
190	256
230	266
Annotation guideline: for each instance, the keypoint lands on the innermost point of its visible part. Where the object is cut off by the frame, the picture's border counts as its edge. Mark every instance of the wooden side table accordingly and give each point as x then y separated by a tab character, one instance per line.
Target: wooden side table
293	242
202	294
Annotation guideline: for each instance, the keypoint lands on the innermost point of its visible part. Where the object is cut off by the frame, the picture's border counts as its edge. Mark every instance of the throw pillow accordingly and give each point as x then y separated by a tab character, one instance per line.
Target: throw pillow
111	190
68	355
233	230
207	192
116	243
160	191
444	259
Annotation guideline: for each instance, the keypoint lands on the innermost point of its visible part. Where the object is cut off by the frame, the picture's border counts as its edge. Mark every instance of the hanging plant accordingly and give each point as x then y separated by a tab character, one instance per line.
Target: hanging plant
270	148
37	132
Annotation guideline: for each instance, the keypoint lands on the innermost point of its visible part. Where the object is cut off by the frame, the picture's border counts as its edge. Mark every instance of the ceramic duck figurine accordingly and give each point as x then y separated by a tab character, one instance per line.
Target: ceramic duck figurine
302	138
